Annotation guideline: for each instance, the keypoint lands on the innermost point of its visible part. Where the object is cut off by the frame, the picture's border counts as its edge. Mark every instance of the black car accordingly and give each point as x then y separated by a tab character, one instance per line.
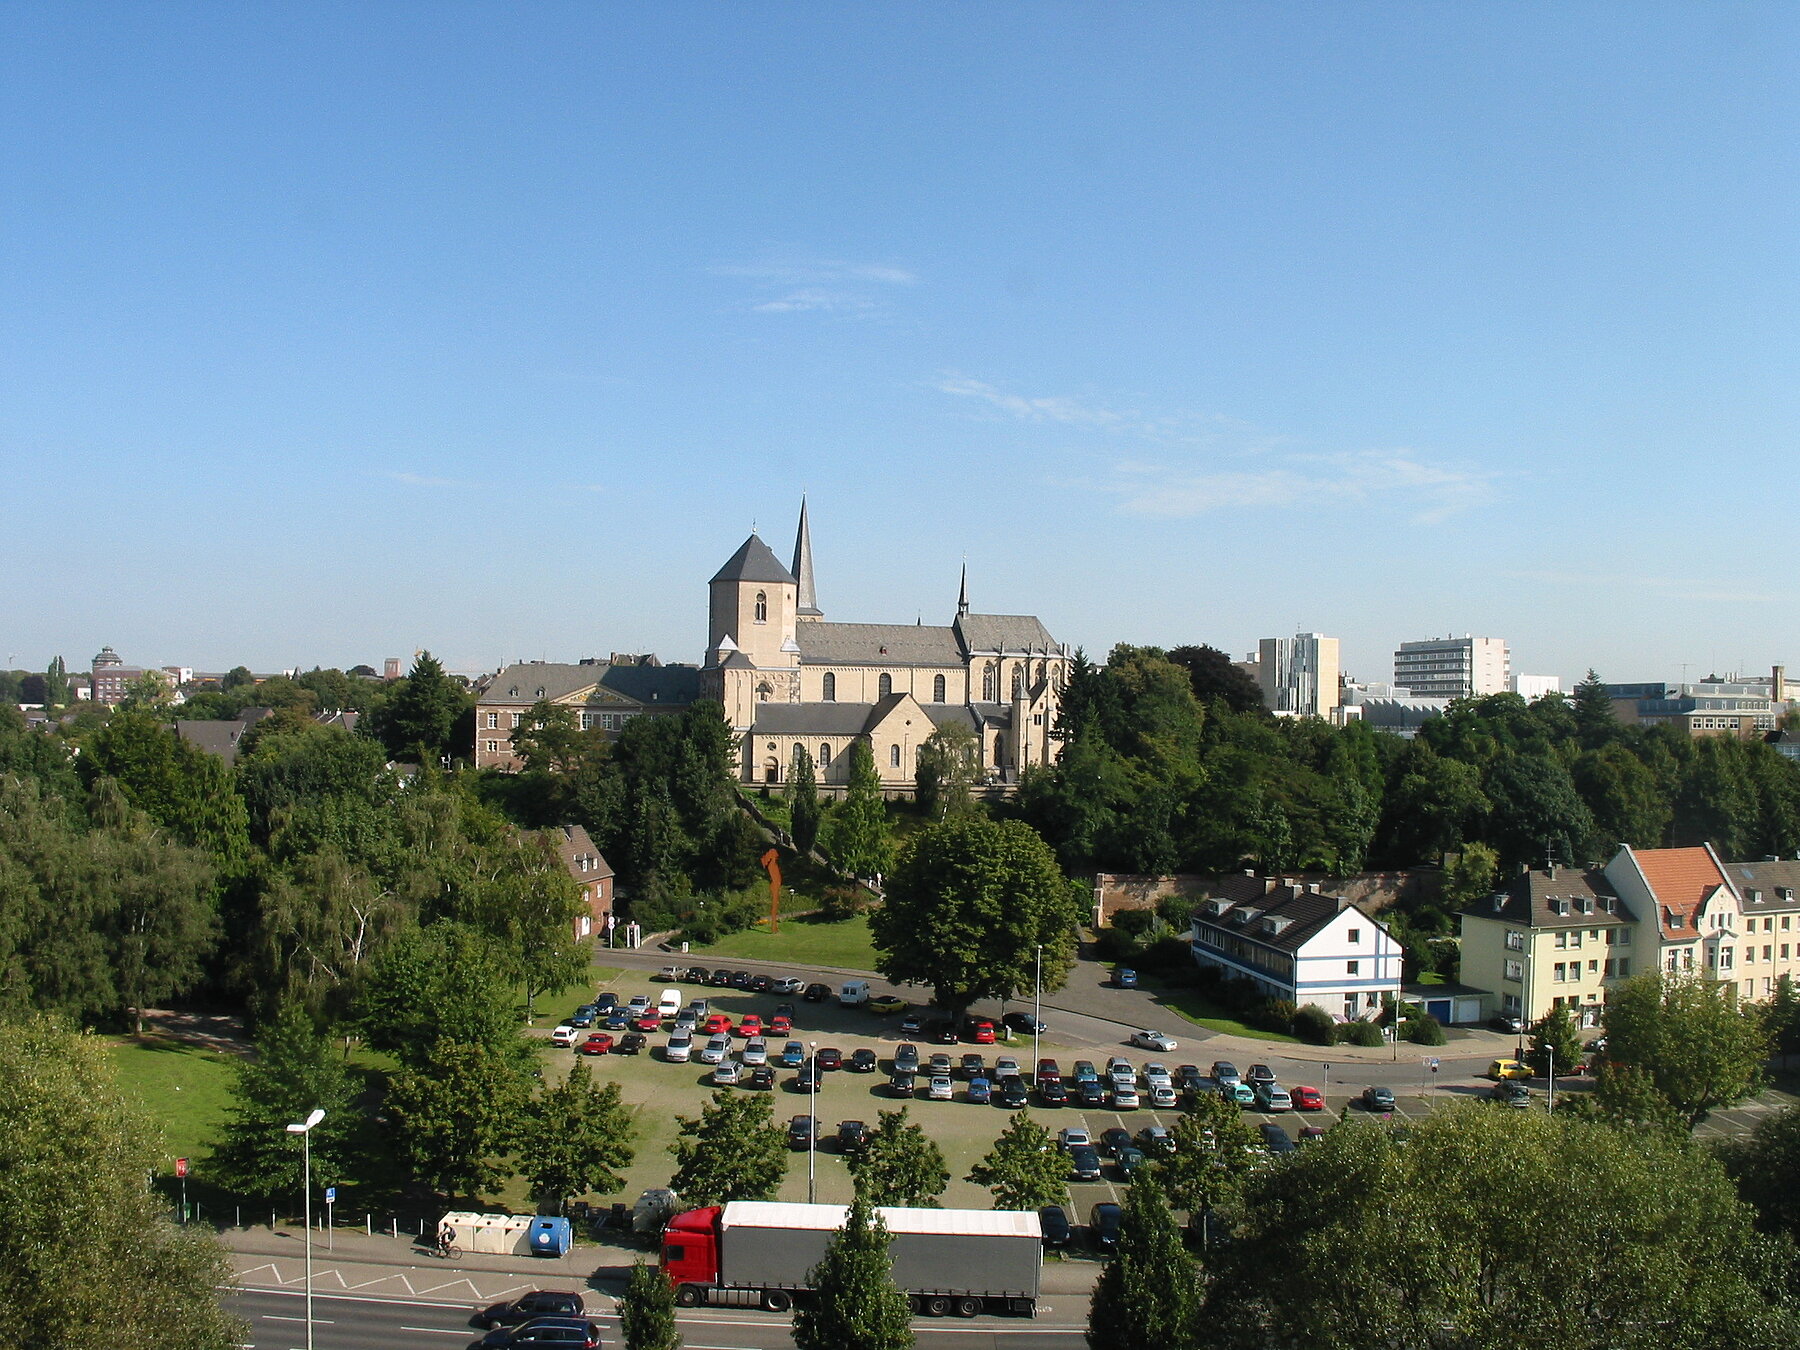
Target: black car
1115	1139
906	1057
784	1010
720	979
1189	1078
1378	1099
1084	1163
807	1080
800	1131
1277	1140
816	993
901	1084
696	974
573	1333
1091	1093
1054	1220
1103	1226
1012	1093
761	1079
538	1303
974	1066
762	984
829	1059
1026	1023
742	979
852	1136
1511	1093
629	1044
1156	1140
1051	1092
941	1033
605	1002
862	1061
1506	1022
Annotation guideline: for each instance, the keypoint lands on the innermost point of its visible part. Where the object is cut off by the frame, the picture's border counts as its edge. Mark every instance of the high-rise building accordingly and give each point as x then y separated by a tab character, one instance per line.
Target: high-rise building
1453	667
1299	675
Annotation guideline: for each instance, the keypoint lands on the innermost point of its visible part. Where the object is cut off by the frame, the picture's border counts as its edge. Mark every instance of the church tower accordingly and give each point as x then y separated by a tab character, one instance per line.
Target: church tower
803	571
751	655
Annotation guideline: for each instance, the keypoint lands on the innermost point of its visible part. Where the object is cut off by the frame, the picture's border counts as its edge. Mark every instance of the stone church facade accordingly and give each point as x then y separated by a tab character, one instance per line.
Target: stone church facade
788	678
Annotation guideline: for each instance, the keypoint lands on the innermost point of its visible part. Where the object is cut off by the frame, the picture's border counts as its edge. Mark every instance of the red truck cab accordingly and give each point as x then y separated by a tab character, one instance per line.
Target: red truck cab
690	1252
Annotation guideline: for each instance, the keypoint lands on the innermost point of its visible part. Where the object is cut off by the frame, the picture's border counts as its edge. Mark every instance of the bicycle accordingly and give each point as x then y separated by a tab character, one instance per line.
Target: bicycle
445	1248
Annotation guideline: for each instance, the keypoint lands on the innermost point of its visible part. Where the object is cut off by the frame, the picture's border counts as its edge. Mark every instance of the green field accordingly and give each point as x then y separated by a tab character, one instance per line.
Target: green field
844	945
184	1089
1197	1008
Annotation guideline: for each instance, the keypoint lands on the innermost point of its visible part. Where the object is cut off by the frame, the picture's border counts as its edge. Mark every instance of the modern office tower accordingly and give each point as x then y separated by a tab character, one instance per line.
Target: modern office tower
1452	667
1299	675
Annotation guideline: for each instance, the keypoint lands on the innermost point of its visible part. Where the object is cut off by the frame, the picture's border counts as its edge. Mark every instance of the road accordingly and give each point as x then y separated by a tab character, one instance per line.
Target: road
278	1322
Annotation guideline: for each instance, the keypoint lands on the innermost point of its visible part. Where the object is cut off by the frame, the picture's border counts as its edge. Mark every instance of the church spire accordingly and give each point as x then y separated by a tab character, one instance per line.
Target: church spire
802	569
962	597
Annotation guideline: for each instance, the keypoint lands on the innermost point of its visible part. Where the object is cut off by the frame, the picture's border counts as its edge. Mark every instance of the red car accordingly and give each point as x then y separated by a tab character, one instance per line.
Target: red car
597	1044
780	1025
1308	1099
749	1025
980	1032
650	1021
716	1024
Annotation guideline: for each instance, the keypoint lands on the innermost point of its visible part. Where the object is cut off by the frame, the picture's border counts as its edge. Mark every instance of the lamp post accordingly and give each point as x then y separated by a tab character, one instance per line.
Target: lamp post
304	1129
1037	1009
812	1116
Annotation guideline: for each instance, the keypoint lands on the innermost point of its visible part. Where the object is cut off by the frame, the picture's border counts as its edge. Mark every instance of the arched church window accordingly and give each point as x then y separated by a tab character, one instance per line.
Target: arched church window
887	685
762	606
830	687
764	692
893	751
1018	685
824	756
990	683
771	770
999	751
937	689
799	750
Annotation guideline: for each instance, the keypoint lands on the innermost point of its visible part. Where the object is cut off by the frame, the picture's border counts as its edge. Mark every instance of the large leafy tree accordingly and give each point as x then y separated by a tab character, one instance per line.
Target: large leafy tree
1215	1152
1699	1046
945	778
575	1138
856	834
968	906
901	1164
1555	1043
444	982
295	1069
1765	1164
87	1255
647	1310
458	1111
856	1304
1361	1239
420	721
321	922
182	789
1214	675
804	810
732	1150
1149	1293
1024	1169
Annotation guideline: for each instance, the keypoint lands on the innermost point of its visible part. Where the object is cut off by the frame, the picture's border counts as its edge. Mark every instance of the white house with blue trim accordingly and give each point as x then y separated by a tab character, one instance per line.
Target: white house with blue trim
1298	944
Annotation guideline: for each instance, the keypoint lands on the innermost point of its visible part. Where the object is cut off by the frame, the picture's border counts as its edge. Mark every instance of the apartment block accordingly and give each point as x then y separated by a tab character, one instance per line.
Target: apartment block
1452	667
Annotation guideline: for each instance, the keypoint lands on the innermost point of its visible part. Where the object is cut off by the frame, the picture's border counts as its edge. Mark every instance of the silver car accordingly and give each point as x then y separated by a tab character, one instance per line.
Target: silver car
755	1052
679	1049
727	1073
715	1050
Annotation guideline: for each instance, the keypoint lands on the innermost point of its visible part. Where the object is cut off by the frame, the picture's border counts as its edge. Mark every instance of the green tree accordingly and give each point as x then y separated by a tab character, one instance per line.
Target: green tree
647	1310
1214	675
238	677
1471	874
856	1304
1627	1097
457	1114
1555	1042
1537	812
1214	1152
1781	1017
968	906
185	790
1362	1239
56	684
901	1165
804	810
419	721
949	761
1024	1169
732	1150
88	1257
1629	805
525	900
1765	1164
294	1070
549	739
1595	720
856	835
1700	1048
442	982
575	1139
1149	1293
321	922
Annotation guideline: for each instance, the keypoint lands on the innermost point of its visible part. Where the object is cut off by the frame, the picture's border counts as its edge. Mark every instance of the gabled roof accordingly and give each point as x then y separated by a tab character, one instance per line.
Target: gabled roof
1297	912
652	686
1681	879
754	562
1769	880
877	644
1004	633
572	842
1538	899
814	719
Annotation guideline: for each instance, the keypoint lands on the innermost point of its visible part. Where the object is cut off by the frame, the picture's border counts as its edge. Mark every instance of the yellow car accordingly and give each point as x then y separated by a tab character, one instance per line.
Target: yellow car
1502	1069
887	1003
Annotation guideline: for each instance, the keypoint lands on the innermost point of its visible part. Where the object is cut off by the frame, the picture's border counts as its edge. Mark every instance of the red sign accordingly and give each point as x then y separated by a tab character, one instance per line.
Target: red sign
181	1167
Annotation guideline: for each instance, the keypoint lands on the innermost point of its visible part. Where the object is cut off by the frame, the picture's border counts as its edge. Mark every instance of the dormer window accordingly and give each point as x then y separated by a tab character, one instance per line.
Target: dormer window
540	693
1217	907
513	692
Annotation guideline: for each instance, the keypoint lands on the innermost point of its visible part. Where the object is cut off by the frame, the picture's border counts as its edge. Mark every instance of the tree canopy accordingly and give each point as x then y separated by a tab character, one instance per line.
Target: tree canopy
900	1164
732	1150
1697	1044
855	1305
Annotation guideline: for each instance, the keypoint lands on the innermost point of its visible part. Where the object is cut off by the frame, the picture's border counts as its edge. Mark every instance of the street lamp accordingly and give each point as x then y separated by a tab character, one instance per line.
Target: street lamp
1037	1009
812	1117
304	1129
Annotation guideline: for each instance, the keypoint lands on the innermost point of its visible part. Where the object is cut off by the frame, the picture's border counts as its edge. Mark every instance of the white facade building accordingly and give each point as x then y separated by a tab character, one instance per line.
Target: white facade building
1529	687
1299	675
1452	667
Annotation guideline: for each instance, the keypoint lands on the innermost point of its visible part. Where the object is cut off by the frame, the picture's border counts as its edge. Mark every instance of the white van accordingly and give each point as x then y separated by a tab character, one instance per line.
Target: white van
854	994
669	1003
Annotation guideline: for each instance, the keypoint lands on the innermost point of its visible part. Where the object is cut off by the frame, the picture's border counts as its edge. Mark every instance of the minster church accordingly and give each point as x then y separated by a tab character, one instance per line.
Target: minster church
789	679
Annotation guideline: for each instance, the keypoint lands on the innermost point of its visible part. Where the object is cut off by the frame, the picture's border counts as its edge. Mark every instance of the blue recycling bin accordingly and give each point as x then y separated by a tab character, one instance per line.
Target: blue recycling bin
550	1237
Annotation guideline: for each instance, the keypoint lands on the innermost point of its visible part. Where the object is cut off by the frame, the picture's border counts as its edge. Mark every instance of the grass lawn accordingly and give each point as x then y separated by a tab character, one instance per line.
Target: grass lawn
845	945
1196	1007
184	1089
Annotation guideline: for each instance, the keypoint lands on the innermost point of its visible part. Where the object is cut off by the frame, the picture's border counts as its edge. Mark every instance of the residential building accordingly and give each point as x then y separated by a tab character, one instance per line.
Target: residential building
1709	707
1453	667
1784	743
592	873
1769	915
1555	937
1299	675
788	679
1297	943
111	679
604	696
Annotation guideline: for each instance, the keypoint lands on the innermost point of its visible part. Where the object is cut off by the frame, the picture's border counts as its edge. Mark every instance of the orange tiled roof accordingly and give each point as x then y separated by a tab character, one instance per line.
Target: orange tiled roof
1680	879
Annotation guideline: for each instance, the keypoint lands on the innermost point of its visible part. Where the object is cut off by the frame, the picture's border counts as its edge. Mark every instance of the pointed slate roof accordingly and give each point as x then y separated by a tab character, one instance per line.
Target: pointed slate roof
803	569
754	562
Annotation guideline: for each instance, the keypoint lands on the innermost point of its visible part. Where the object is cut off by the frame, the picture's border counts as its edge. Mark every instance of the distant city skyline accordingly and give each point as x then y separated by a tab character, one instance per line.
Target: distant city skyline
337	332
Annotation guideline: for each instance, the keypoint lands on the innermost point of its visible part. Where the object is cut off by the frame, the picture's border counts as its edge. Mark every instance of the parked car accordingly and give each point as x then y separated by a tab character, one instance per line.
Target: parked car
1277	1140
563	1037
583	1016
1052	1093
886	1005
631	1043
1307	1098
1308	1133
785	1010
1241	1094
696	975
1125	978
617	1019
1005	1066
973	1066
743	980
913	1023
1157	1075
1188	1077
901	1083
792	1055
1119	1070
1259	1073
906	1057
727	1073
761	984
1225	1074
1506	1022
1114	1139
978	1031
749	1025
640	1003
1103	1226
1508	1068
1091	1094
720	979
538	1303
716	1024
1378	1099
680	1048
940	1088
862	1061
1163	1097
1156	1140
852	1136
1510	1093
800	1131
1128	1160
1048	1068
787	984
666	973
1153	1040
1053	1222
605	1000
1273	1097
816	992
809	1079
1084	1071
830	1059
597	1044
755	1052
1125	1097
761	1079
715	1049
1012	1093
981	1092
780	1025
939	1063
650	1021
1025	1023
1084	1163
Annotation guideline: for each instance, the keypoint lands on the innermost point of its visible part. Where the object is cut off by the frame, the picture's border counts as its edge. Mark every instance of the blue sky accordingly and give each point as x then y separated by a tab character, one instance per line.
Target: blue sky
331	332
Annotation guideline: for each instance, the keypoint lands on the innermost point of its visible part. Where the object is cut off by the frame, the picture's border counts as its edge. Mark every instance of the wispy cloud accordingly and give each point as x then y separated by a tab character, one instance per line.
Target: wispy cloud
816	285
1123	421
1055	408
1696	589
1430	492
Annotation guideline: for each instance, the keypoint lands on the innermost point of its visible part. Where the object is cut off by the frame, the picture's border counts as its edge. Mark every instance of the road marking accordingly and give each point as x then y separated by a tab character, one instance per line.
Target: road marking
341	1298
316	1321
438	1331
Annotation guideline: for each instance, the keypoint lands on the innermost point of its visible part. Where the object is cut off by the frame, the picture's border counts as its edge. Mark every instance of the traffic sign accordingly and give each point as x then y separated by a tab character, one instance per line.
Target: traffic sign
331	1195
1433	1063
181	1167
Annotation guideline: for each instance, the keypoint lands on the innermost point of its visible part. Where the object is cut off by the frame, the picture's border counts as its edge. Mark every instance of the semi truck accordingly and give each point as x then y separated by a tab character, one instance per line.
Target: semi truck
749	1254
